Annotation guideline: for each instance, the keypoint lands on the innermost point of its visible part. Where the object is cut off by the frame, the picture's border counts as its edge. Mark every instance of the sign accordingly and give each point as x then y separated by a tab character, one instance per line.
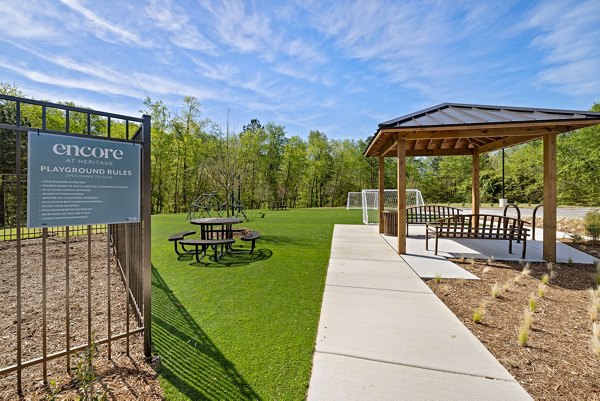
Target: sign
78	180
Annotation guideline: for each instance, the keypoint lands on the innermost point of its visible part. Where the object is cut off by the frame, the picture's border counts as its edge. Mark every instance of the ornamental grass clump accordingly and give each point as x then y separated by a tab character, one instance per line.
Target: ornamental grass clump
525	328
545	279
437	278
486	270
496	290
595	340
532	302
594	308
542	289
526	272
479	313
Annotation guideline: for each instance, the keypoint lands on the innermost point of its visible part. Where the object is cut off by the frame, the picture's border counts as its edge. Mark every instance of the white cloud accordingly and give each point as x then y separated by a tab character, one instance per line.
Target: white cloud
31	20
301	73
69	81
182	31
100	26
243	31
568	35
217	72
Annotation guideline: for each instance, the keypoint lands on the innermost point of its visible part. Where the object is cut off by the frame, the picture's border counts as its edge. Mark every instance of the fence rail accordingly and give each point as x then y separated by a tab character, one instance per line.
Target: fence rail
68	286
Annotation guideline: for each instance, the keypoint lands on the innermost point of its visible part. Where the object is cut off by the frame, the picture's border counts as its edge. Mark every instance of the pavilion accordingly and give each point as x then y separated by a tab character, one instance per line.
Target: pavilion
451	129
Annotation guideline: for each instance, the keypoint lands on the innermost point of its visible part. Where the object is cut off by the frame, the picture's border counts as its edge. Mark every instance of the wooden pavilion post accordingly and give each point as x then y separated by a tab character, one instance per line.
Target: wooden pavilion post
549	248
475	183
401	154
381	187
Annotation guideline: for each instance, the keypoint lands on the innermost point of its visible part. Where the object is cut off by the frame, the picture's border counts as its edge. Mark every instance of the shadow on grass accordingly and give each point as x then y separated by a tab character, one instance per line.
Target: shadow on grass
230	260
188	358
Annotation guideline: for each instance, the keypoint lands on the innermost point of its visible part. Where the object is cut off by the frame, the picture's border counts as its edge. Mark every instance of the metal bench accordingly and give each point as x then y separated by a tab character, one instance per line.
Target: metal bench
205	244
416	215
178	237
429	213
478	226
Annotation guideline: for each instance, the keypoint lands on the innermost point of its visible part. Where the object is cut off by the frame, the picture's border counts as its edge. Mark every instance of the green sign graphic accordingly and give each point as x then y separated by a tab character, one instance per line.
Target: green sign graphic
77	180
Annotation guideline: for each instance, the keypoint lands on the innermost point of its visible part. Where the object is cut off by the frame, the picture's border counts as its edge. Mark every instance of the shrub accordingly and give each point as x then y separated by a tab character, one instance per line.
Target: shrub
85	376
591	222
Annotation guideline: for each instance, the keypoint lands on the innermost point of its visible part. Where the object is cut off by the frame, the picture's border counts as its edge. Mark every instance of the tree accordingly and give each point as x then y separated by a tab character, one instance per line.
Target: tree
8	153
274	150
293	167
319	167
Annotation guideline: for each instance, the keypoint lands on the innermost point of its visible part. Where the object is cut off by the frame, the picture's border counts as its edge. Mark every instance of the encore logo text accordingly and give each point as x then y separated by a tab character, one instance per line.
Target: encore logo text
87	151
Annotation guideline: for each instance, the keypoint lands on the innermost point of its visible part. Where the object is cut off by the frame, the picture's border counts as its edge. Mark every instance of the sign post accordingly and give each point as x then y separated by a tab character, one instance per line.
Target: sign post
78	180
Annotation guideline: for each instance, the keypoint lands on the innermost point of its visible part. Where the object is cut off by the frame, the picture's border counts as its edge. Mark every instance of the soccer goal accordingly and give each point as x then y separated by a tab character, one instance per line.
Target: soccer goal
354	200
370	202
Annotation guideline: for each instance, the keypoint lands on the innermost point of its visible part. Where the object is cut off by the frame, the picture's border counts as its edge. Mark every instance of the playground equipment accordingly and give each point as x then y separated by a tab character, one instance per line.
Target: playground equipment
209	202
204	204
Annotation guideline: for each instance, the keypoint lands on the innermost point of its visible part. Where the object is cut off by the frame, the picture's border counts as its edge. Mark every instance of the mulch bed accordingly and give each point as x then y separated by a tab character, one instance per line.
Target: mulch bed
125	377
558	362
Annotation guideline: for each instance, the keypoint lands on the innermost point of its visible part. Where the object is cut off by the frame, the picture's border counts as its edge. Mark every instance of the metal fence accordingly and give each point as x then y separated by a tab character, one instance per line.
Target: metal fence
97	264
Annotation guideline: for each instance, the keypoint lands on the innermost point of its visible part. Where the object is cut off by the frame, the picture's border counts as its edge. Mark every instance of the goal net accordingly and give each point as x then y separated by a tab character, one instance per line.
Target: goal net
354	200
370	202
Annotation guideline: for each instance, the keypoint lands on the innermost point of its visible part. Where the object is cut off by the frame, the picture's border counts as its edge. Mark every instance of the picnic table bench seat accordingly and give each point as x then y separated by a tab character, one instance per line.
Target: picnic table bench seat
178	237
251	236
205	244
478	226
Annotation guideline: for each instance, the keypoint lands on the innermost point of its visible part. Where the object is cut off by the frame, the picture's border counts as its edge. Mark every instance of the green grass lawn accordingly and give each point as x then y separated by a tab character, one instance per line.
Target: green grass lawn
243	328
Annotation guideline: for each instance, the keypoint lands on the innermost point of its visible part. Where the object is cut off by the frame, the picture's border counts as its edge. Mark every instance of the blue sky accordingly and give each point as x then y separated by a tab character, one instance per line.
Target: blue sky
340	67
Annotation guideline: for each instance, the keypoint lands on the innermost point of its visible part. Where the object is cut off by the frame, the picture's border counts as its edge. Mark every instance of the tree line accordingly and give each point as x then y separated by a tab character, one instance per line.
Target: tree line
263	164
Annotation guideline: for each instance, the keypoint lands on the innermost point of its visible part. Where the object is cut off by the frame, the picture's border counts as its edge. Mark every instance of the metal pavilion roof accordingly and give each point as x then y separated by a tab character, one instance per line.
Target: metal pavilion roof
458	129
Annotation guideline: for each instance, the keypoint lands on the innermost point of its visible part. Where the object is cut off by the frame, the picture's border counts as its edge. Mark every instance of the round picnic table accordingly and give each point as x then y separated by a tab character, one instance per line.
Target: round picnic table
216	227
214	232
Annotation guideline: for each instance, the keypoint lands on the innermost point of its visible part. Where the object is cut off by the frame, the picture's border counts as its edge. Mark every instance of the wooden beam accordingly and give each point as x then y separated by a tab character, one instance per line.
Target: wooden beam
529	128
487	133
401	154
556	124
549	252
507	142
388	146
440	152
381	187
475	183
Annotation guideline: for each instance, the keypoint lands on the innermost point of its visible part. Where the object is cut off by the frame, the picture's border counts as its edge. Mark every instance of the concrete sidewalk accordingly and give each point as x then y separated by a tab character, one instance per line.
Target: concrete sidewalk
384	335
